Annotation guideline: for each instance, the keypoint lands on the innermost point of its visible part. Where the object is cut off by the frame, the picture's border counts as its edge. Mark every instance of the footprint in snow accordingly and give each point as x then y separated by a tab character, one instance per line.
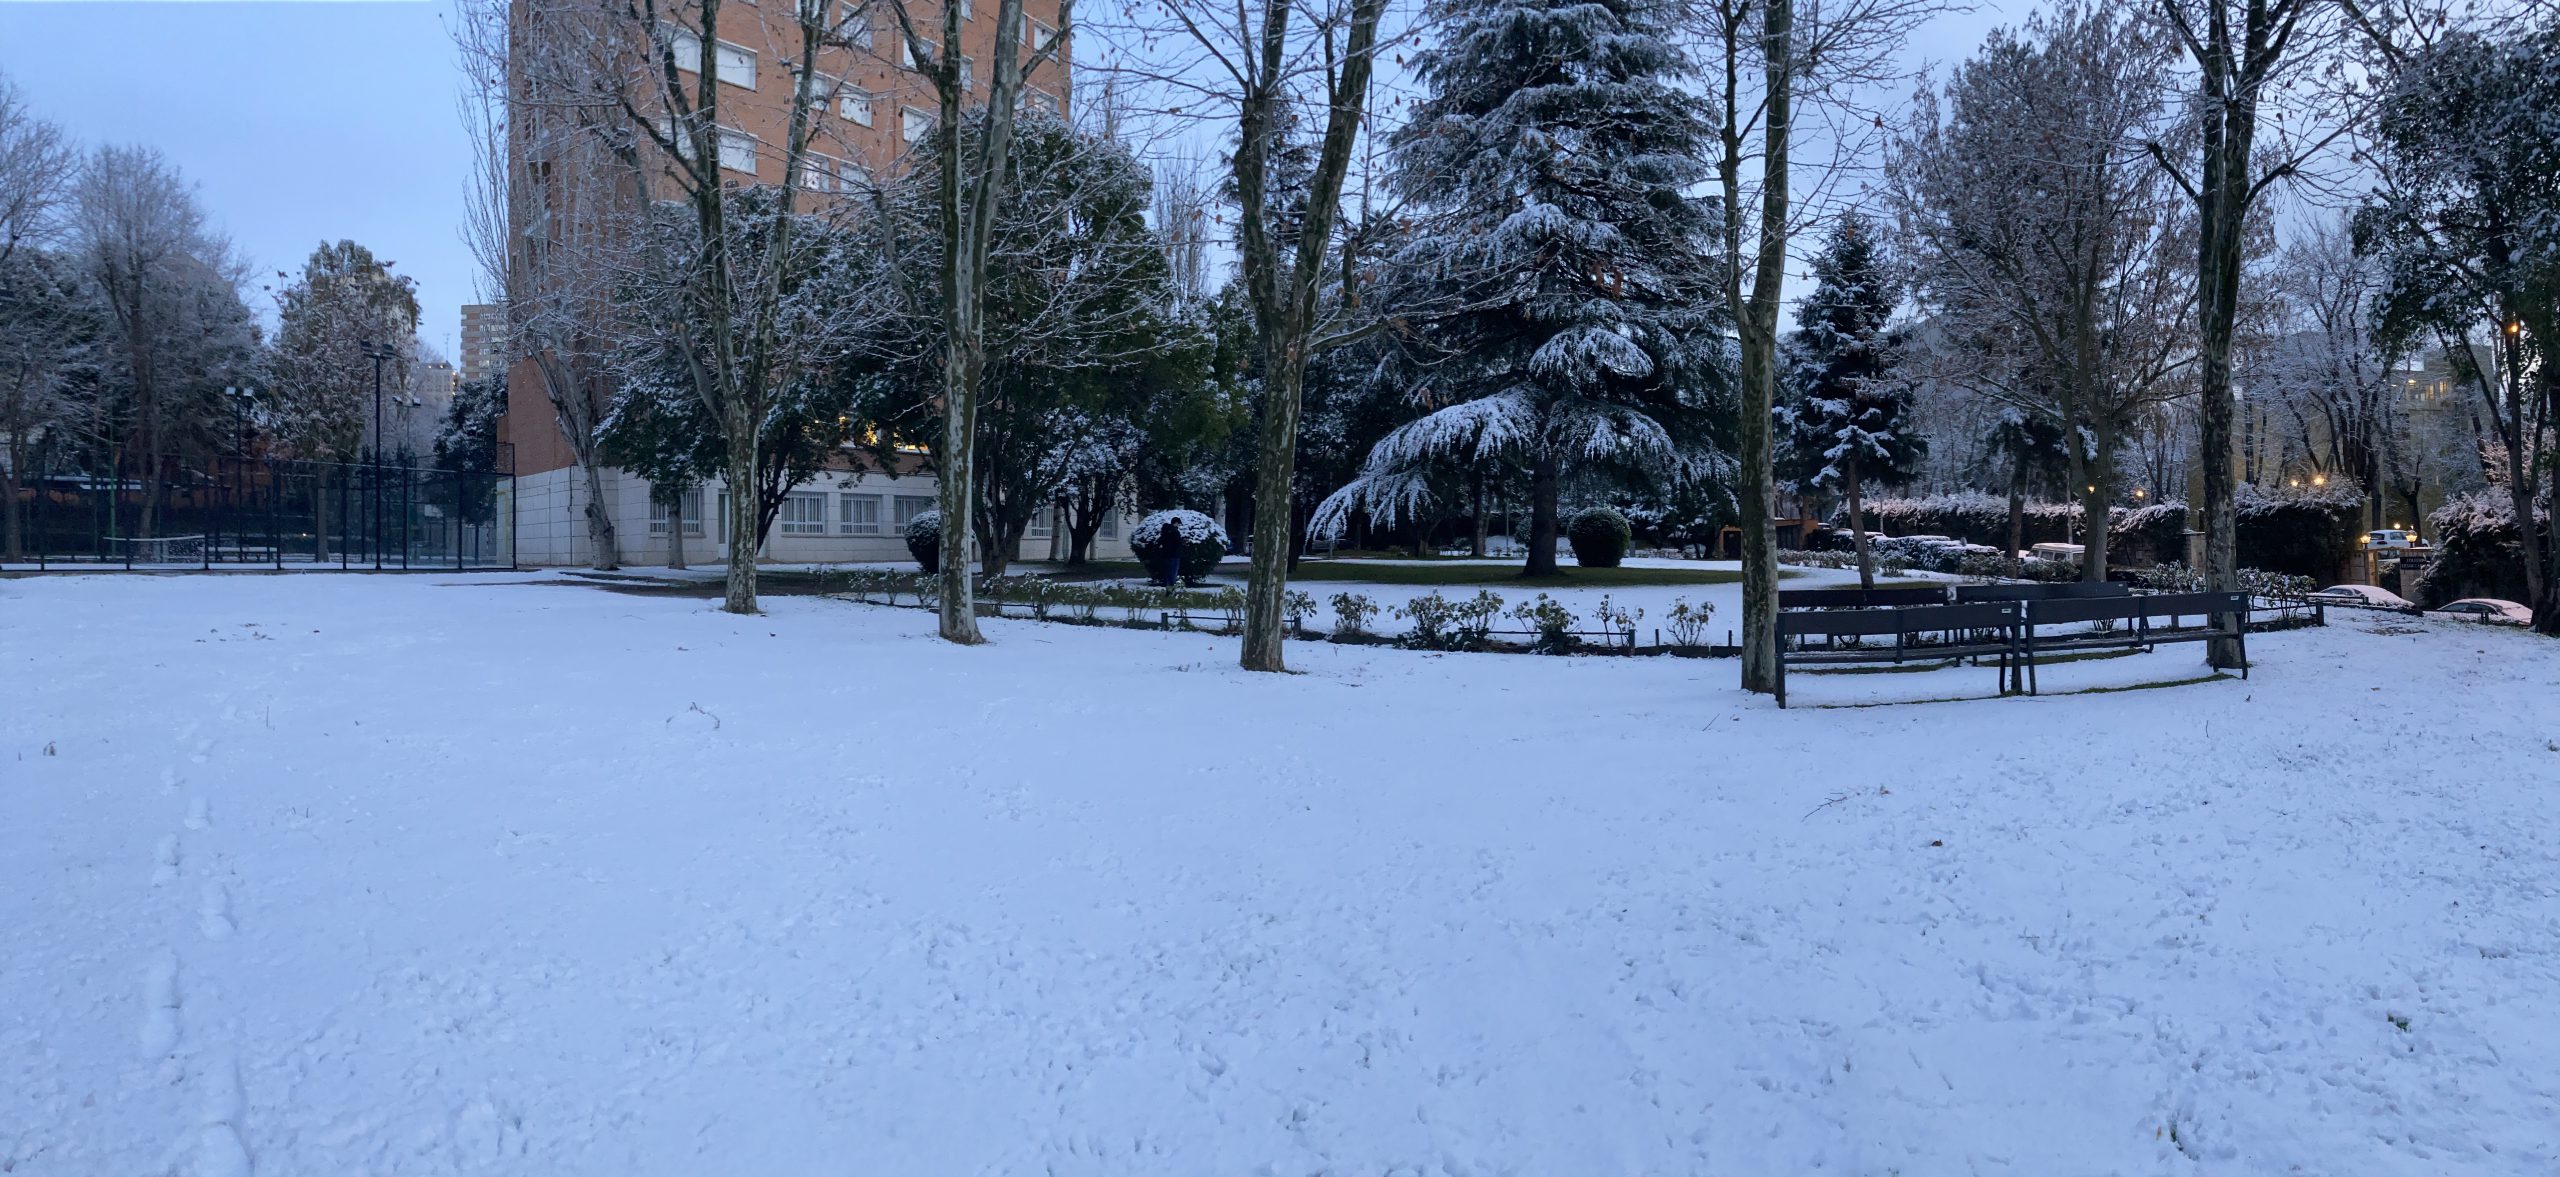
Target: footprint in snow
159	1033
164	861
199	814
213	912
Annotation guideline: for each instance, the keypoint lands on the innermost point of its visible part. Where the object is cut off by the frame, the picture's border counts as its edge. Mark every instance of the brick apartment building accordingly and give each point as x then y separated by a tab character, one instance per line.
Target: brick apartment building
484	341
877	109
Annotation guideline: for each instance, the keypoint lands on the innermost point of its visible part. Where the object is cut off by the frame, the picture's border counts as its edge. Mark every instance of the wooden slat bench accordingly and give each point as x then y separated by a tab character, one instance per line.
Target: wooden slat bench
1856	598
2070	590
2221	615
1980	630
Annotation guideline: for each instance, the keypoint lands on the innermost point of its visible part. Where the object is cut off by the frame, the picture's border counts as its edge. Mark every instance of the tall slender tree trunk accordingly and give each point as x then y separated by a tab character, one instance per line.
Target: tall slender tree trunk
744	534
13	541
1475	541
1267	586
1858	528
2229	129
604	547
2546	605
1756	319
1545	486
2017	509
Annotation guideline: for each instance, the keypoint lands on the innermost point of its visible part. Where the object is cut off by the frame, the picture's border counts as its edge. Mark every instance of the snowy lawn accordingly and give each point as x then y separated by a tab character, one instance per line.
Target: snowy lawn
337	874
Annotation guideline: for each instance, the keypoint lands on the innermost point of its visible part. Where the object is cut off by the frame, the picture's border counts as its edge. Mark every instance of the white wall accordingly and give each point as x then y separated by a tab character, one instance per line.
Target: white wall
551	527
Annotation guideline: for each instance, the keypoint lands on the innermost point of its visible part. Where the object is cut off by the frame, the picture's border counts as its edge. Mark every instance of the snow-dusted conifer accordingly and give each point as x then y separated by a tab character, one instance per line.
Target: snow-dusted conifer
1848	414
1554	158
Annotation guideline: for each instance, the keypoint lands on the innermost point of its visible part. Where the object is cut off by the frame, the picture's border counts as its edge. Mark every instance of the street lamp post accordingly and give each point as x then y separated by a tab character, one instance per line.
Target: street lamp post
379	354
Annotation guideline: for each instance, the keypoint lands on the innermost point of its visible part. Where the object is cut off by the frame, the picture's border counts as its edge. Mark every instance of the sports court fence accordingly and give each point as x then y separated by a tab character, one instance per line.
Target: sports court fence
229	512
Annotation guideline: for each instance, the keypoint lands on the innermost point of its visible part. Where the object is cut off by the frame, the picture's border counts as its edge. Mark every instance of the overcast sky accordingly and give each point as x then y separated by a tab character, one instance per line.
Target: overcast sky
309	121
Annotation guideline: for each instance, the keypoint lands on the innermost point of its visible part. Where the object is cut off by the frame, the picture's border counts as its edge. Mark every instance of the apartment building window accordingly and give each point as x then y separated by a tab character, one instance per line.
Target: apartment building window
857	24
1044	102
968	74
804	514
821	174
914	124
907	52
734	64
1040	526
966	12
1036	34
910	506
859	514
692	508
738	151
854	105
1110	525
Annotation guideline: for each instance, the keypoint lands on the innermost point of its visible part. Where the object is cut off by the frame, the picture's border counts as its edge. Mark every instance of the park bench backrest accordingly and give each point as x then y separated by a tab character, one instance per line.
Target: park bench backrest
1915	619
2066	591
1852	598
2127	608
2195	604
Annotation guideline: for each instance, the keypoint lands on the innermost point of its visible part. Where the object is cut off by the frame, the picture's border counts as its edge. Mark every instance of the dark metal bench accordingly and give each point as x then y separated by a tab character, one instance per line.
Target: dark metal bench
1980	630
2070	590
1856	598
2132	618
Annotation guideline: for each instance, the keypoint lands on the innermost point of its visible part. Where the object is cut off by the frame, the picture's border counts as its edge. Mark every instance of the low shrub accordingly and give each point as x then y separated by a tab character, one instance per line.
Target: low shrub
1299	607
1442	624
1352	613
1600	537
1162	537
924	540
1549	623
1687	622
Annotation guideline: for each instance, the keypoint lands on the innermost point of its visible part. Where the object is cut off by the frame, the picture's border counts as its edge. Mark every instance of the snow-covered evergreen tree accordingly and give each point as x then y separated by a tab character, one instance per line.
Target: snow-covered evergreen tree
1847	415
1553	162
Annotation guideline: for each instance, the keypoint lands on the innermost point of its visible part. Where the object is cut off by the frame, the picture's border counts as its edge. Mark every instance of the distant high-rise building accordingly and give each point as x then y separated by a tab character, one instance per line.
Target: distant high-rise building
484	341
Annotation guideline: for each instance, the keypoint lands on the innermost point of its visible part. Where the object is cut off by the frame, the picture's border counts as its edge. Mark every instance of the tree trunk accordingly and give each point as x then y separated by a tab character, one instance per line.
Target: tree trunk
2017	511
602	548
1475	542
2095	493
13	544
1858	529
1756	320
1267	587
1001	539
2546	606
1421	538
675	532
744	533
1544	484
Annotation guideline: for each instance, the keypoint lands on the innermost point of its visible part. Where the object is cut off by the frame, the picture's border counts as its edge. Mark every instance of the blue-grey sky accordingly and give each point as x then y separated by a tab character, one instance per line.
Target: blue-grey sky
309	121
298	122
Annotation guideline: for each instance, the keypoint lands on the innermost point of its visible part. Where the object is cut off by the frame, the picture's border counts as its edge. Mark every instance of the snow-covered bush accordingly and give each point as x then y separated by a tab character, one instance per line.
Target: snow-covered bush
2151	534
2479	552
1600	537
1442	624
2308	533
1161	536
1617	620
1550	623
1352	613
924	540
1972	517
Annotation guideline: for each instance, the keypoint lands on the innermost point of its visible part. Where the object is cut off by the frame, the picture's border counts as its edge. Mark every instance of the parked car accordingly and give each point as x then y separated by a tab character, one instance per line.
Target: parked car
2389	539
2487	611
2363	596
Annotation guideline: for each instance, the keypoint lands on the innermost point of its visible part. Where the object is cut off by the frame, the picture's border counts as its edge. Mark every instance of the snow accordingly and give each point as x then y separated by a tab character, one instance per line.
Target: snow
525	877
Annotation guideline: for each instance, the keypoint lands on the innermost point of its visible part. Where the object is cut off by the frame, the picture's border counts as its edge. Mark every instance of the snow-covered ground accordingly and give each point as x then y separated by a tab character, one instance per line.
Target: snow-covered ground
309	874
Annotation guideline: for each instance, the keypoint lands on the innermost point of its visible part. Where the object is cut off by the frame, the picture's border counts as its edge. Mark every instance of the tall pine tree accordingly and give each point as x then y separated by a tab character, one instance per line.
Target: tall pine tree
1578	326
1848	417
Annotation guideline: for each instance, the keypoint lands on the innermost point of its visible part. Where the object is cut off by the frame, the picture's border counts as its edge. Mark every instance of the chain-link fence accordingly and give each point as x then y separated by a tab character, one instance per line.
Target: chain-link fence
227	512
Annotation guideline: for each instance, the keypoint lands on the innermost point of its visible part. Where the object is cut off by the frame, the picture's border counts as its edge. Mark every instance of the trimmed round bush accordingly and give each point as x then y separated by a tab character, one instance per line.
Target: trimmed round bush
924	540
1157	537
1600	537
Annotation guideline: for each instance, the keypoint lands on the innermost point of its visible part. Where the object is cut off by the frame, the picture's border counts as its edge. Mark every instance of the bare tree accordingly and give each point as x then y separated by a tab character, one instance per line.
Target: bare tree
552	210
1776	68
2248	54
171	286
2036	221
36	166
